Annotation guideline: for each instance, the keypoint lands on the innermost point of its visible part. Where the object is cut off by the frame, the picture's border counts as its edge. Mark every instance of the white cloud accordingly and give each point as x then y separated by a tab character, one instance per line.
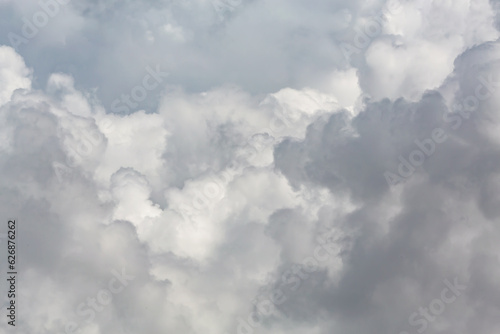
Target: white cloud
14	74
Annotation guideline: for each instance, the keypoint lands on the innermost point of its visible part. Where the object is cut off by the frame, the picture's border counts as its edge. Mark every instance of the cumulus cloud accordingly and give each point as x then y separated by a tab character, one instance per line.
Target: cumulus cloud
329	167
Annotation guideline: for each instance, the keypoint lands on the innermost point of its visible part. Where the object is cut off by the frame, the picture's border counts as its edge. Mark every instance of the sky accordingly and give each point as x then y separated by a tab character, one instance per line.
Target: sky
250	166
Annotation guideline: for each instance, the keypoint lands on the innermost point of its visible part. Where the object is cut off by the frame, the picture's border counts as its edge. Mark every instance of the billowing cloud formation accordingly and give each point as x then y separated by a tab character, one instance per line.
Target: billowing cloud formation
274	168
